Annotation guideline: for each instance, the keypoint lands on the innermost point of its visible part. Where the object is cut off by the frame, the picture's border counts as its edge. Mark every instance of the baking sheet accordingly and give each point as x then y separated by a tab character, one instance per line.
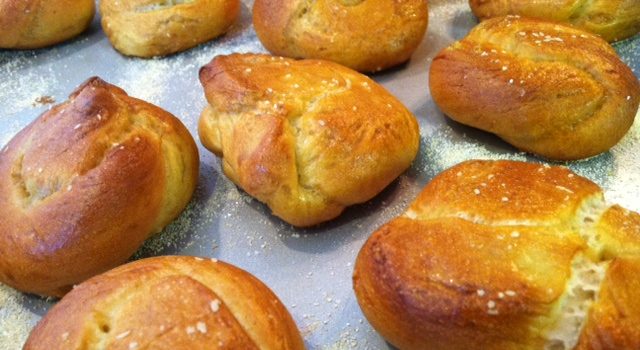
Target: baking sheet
311	269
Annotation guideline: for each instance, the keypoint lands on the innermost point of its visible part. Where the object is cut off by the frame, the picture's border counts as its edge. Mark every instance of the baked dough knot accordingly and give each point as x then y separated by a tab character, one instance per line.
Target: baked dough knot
308	138
86	183
505	255
613	20
545	88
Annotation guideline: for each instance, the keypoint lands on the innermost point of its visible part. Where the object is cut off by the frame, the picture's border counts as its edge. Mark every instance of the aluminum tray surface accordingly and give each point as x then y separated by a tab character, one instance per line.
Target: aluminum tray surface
310	269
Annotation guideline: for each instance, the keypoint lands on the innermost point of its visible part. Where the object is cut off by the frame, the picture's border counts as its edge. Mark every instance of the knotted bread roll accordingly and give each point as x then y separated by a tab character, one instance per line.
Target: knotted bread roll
365	35
168	302
545	88
505	255
147	28
308	138
611	19
32	24
86	183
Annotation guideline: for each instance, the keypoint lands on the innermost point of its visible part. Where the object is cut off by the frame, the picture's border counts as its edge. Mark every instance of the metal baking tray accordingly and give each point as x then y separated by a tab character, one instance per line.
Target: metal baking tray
309	269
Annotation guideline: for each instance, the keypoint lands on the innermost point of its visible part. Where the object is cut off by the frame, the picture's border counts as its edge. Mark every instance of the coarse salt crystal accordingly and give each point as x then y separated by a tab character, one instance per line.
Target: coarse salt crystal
123	335
202	327
215	305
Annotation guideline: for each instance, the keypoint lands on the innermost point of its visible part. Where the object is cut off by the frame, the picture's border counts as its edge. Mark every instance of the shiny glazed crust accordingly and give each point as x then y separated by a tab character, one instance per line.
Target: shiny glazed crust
611	19
485	257
545	88
308	138
365	35
168	302
32	24
147	28
86	183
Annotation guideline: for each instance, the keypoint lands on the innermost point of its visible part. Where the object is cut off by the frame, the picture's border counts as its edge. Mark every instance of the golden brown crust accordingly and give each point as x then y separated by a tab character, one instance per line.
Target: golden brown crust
545	88
483	258
308	138
86	183
614	319
147	28
365	35
32	24
611	19
169	302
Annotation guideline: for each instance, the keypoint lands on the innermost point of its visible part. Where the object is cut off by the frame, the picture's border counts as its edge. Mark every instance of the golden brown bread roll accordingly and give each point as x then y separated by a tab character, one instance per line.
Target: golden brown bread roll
364	35
32	24
147	28
505	255
168	302
611	19
308	138
545	88
86	183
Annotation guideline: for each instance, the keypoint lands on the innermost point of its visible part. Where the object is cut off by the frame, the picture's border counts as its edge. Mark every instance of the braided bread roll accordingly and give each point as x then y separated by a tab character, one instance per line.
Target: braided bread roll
168	302
32	24
613	20
308	138
545	88
86	183
147	28
367	36
505	255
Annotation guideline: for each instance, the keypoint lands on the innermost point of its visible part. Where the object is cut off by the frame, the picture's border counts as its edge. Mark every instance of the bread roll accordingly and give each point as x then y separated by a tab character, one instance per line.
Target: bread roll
147	28
168	302
308	138
505	255
86	183
545	88
32	24
366	35
611	19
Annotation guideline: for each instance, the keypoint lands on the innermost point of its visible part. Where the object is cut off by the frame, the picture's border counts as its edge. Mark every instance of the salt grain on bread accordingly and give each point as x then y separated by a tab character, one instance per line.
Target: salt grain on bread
308	138
611	19
548	89
451	274
168	303
86	183
147	28
366	35
32	24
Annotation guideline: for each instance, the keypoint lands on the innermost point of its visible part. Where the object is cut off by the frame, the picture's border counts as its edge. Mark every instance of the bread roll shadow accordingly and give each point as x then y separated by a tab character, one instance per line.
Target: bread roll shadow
431	44
180	233
328	236
492	142
461	24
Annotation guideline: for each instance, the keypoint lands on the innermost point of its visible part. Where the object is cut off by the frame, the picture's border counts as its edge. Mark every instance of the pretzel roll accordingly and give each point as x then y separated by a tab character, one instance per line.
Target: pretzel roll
168	302
86	183
613	20
365	35
545	88
308	138
32	24
147	28
503	255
